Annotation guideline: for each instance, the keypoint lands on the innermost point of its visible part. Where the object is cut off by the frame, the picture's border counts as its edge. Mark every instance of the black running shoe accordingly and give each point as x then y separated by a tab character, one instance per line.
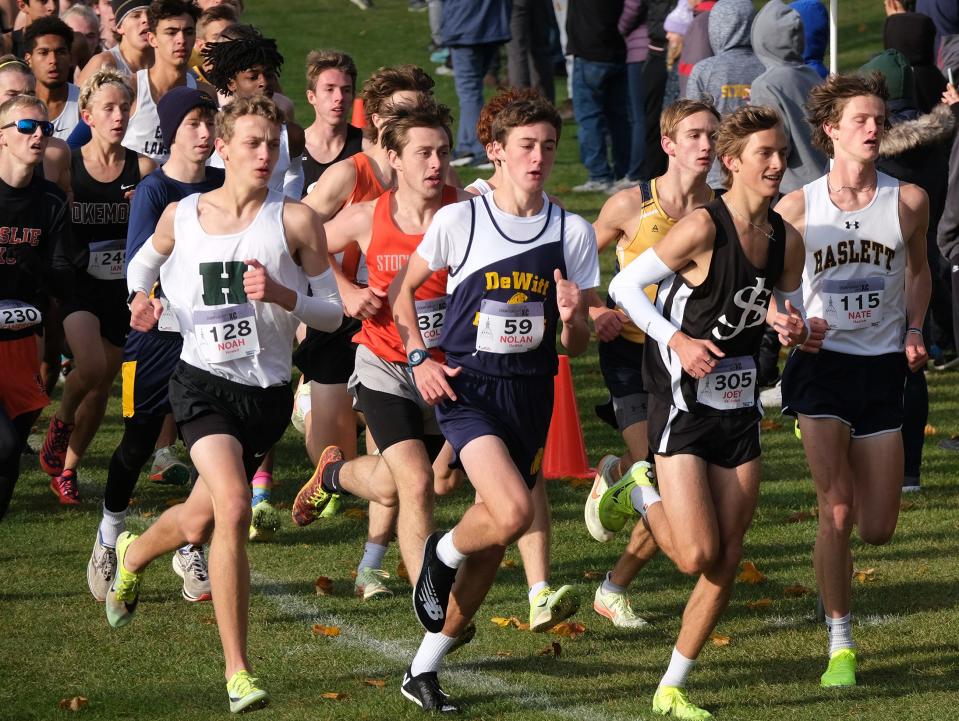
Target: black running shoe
424	690
431	595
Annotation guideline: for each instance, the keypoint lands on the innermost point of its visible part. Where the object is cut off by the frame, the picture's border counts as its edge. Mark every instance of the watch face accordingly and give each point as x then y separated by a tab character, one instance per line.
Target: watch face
417	356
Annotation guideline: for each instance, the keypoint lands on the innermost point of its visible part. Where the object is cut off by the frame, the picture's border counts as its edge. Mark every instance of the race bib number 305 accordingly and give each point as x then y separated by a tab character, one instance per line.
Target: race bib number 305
731	385
226	334
510	327
853	304
429	317
106	259
17	315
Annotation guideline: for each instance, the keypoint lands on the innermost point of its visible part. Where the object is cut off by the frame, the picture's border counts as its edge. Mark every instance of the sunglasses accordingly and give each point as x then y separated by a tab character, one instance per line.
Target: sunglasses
28	126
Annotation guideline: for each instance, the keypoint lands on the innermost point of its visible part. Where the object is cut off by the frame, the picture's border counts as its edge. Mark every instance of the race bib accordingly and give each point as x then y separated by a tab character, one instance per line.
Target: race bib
429	317
510	327
226	334
106	259
17	315
168	321
731	385
853	304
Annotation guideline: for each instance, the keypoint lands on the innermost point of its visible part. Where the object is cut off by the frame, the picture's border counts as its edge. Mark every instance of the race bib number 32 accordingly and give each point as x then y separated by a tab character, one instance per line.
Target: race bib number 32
17	315
226	334
429	317
510	327
731	385
106	259
853	304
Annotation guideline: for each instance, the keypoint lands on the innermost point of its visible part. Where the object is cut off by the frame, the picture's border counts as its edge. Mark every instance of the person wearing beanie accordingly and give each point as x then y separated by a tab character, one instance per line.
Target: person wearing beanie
815	23
133	52
149	359
914	35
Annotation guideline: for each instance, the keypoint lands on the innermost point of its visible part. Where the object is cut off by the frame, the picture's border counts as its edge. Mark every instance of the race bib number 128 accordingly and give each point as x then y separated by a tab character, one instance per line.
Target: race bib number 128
226	334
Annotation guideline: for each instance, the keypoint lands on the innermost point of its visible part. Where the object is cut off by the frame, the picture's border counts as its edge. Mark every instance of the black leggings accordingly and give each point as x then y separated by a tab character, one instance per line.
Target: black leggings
915	417
136	446
13	439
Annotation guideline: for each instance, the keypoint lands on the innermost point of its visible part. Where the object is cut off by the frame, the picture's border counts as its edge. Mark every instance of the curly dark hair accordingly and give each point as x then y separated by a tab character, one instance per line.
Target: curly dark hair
46	26
240	48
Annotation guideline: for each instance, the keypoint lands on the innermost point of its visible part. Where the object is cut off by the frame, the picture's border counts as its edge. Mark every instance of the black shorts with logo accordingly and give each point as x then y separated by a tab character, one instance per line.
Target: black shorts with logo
207	405
722	439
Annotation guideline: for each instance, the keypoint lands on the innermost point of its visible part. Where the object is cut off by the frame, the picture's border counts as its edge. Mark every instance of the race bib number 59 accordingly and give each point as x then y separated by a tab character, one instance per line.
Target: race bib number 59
17	315
730	385
510	327
226	334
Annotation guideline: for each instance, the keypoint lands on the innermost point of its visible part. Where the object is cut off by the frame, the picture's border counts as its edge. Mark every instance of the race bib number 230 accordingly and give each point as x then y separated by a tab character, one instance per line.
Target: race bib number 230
17	315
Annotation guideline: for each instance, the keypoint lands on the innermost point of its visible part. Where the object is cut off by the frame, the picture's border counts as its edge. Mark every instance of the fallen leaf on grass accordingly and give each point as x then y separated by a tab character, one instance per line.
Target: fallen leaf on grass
401	571
906	505
554	649
134	501
580	482
508	563
511	622
500	621
320	630
334	696
801	516
768	424
593	575
72	704
323	586
171	502
570	629
504	654
750	574
377	682
759	603
930	430
797	590
209	620
865	575
147	514
358	513
720	640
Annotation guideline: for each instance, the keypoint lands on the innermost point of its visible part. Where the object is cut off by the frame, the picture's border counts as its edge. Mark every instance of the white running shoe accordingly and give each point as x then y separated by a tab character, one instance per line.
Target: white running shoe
100	569
601	484
168	468
615	607
302	405
191	567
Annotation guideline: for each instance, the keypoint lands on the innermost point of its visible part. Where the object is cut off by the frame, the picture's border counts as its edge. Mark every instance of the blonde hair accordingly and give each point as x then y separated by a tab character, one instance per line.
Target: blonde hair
735	130
100	79
677	112
258	105
21	101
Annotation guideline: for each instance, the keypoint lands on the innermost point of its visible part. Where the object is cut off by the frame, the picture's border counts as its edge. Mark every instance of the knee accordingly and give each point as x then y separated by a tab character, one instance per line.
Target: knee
417	487
445	483
877	531
234	514
196	530
698	557
836	519
512	522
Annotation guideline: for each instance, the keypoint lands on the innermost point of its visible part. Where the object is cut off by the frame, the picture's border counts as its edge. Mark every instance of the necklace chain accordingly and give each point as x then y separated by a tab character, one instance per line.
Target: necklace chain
768	233
841	188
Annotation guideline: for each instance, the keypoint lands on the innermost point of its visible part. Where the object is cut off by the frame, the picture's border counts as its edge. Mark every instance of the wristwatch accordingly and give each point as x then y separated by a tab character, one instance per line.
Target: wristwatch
133	294
417	356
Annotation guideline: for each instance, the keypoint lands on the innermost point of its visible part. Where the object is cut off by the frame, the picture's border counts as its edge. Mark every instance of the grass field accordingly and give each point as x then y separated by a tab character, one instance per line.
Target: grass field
55	643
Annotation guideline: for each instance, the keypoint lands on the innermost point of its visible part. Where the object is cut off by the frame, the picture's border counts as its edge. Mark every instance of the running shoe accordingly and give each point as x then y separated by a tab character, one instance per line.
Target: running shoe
301	406
191	567
265	522
53	452
124	594
101	568
431	595
616	506
312	499
841	670
616	607
424	690
550	607
65	488
369	584
245	692
673	701
601	484
593	186
168	468
333	506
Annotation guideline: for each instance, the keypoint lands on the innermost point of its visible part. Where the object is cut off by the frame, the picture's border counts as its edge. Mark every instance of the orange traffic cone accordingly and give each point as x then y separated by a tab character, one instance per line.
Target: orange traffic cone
359	117
565	453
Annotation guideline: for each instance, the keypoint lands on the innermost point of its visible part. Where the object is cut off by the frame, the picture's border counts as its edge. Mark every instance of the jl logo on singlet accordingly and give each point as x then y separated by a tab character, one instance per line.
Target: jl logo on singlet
223	282
754	303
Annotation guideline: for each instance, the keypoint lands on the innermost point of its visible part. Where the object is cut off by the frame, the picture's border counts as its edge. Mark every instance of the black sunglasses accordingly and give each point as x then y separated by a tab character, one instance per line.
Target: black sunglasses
28	126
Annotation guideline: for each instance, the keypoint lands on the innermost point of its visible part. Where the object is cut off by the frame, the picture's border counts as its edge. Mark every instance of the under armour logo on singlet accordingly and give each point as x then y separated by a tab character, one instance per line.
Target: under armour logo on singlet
754	301
851	224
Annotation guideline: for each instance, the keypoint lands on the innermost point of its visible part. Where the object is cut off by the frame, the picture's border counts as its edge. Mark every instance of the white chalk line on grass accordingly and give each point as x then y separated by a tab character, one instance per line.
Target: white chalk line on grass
398	652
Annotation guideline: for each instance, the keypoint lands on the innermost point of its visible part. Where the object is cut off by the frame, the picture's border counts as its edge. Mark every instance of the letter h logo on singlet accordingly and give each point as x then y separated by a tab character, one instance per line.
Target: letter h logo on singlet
223	282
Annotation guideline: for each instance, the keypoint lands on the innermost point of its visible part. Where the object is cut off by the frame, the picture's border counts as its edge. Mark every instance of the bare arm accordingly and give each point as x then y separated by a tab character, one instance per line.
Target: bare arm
99	61
571	303
349	226
914	217
332	189
56	165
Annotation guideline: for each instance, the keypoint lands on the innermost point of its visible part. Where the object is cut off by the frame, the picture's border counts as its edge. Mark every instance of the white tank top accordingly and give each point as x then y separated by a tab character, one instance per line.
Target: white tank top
480	186
248	342
68	118
278	178
856	269
119	62
143	134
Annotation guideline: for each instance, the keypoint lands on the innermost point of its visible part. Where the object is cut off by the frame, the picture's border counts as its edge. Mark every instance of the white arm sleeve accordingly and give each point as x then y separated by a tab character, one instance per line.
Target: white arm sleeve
322	310
144	269
627	289
294	179
794	297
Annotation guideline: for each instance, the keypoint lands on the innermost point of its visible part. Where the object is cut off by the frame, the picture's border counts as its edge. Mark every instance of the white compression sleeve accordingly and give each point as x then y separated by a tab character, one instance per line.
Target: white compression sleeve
628	290
794	297
144	269
323	310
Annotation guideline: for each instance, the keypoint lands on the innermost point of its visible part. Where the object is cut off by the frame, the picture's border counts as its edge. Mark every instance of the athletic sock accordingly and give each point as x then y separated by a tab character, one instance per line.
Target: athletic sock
536	588
372	556
642	497
262	484
112	525
840	633
447	552
430	654
610	587
330	479
678	670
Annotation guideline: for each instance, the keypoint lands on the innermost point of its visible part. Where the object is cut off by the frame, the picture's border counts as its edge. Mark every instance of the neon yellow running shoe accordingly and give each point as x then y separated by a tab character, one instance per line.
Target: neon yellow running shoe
841	670
550	607
333	506
672	701
245	692
616	506
124	594
264	523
